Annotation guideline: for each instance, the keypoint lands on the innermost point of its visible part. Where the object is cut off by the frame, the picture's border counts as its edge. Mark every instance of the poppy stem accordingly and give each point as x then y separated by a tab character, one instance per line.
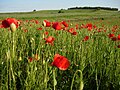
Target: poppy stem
45	80
54	80
12	60
13	48
81	80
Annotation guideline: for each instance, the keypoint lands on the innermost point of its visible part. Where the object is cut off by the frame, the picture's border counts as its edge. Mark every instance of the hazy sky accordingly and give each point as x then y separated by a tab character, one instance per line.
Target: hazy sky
30	5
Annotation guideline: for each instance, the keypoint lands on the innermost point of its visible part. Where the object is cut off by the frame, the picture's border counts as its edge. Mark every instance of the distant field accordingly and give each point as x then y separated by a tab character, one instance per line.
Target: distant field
67	14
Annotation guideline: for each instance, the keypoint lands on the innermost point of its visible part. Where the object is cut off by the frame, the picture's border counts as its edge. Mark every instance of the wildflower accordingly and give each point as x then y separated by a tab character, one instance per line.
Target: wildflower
57	26
71	30
30	59
65	23
114	38
60	62
74	33
39	28
89	26
118	37
46	33
77	26
118	46
7	22
46	23
36	21
50	40
86	38
111	35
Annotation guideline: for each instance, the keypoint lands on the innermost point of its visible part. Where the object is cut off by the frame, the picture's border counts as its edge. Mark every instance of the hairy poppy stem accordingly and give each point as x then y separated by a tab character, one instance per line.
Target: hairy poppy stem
45	80
54	80
13	44
12	60
81	80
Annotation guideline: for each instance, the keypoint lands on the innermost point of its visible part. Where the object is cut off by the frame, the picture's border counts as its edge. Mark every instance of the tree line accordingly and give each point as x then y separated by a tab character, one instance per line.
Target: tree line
96	8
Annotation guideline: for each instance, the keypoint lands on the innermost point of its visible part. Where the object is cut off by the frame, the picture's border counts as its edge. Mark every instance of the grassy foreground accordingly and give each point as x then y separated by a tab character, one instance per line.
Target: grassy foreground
94	63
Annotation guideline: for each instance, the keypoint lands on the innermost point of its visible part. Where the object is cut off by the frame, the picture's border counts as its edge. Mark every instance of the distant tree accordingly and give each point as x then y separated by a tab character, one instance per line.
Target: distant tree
34	10
61	11
97	8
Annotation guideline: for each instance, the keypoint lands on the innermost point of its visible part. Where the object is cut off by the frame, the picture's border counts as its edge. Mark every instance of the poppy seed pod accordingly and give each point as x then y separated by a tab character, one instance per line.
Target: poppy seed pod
13	27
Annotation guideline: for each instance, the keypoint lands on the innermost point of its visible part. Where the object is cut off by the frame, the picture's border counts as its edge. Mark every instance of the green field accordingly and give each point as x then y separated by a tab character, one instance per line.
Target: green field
67	14
94	63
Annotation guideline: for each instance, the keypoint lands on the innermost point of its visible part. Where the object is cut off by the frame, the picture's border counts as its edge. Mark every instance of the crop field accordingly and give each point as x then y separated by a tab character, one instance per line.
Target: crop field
60	50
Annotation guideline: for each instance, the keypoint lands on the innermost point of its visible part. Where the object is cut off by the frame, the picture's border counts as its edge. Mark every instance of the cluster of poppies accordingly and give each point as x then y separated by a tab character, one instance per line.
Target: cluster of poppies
60	61
60	26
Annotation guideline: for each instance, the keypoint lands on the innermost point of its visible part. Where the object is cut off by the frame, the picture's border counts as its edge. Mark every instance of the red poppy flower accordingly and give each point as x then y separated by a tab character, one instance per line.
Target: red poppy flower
114	38
1	26
30	59
82	26
50	40
36	21
71	30
39	28
65	23
65	28
77	26
113	30
89	26
46	33
25	30
115	26
74	33
60	62
94	26
46	23
7	22
118	36
111	35
118	46
86	38
57	26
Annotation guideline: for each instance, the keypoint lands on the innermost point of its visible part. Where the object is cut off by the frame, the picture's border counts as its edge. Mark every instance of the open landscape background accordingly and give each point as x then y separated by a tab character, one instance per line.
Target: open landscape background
89	39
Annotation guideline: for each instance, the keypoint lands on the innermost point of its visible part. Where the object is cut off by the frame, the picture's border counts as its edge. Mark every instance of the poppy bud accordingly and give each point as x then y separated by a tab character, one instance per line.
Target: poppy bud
46	23
13	27
20	58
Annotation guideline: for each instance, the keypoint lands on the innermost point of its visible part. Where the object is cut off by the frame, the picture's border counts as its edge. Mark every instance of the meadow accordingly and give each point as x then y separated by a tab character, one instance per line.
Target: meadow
88	39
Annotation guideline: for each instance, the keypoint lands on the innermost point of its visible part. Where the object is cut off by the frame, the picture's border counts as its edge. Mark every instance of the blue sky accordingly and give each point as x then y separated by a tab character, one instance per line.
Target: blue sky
29	5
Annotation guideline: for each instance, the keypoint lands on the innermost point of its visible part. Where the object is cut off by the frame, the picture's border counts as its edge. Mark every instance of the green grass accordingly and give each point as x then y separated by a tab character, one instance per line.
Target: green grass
69	14
94	63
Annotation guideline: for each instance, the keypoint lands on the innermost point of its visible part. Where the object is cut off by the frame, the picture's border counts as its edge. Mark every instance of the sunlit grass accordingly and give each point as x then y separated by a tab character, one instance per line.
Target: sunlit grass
94	63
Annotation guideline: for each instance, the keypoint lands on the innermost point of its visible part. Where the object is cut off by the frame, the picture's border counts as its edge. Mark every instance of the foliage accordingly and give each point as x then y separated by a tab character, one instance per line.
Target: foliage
93	52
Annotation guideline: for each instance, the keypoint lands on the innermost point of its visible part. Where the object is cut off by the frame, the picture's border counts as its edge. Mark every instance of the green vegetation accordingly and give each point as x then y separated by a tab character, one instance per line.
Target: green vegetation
94	63
68	14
